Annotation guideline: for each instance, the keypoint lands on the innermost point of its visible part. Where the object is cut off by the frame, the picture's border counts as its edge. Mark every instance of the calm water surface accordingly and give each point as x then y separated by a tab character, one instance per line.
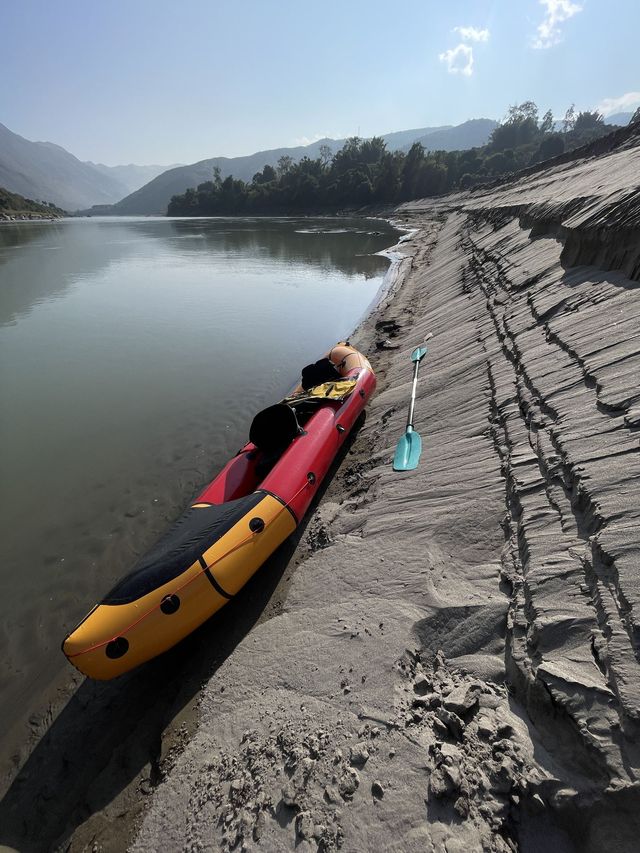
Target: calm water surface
133	355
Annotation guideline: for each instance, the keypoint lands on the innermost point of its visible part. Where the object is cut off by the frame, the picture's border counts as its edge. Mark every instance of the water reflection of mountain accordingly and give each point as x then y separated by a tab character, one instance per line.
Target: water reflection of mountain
41	261
349	246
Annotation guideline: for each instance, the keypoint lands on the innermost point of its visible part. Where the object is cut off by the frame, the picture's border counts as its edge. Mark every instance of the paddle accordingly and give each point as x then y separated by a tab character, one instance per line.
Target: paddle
409	446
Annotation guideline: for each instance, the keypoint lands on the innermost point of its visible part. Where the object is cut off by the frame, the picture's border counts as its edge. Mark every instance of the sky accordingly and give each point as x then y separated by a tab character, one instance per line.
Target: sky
163	82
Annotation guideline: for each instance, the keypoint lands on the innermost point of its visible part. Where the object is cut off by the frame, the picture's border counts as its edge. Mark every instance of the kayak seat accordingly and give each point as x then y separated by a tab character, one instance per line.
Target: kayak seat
319	372
274	428
272	431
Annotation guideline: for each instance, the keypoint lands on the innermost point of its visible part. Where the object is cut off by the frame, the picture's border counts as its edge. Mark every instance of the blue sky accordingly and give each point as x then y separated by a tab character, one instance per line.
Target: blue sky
161	81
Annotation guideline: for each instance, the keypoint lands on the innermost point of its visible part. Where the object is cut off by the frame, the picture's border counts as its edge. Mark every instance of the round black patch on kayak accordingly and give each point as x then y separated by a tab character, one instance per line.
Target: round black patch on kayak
256	525
116	648
169	604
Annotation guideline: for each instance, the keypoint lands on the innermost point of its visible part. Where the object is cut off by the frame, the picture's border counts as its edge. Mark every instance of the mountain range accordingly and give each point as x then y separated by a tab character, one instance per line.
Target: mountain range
44	171
156	195
47	172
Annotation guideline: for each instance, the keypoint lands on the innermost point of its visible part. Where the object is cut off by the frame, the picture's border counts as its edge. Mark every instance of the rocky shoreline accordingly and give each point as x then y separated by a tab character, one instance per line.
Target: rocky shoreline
444	659
27	217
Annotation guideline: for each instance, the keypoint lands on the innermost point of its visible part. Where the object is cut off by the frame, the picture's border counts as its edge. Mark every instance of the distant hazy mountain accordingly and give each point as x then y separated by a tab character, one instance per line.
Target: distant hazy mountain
131	177
621	119
156	195
399	140
469	134
44	171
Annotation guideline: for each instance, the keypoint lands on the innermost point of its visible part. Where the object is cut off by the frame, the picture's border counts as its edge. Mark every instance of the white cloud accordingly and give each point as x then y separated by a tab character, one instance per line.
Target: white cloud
557	12
471	34
624	103
459	60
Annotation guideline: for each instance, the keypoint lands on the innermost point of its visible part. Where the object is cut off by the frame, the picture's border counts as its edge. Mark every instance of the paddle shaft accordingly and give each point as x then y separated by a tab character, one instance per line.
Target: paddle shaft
412	403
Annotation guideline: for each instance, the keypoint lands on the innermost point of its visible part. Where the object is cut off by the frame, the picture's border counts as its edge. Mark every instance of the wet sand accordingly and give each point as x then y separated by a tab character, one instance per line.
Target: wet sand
444	659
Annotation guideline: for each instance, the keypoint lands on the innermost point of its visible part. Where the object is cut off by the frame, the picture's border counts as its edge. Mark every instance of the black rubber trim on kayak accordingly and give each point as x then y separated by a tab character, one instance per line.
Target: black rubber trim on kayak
194	532
284	503
214	583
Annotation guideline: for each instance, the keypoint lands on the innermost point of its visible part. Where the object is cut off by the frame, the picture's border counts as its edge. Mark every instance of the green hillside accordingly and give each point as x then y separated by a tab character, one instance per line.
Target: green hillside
16	206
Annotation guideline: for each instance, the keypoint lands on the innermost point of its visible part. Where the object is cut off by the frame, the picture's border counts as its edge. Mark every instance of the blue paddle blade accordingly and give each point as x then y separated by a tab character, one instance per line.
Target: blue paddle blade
418	354
408	451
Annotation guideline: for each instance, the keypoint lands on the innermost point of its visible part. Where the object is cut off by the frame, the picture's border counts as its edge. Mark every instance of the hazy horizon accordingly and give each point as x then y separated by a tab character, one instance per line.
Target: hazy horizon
151	83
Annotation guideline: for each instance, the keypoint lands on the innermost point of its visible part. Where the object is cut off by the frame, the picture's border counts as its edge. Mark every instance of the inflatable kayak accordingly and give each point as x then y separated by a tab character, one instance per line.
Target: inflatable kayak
230	529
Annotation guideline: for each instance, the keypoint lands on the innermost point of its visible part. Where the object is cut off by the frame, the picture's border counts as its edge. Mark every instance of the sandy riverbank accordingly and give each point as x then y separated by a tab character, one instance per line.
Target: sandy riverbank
445	659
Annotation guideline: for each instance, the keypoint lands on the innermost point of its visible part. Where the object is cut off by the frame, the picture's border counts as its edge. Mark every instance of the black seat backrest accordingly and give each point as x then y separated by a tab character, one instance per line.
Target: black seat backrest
319	372
274	428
